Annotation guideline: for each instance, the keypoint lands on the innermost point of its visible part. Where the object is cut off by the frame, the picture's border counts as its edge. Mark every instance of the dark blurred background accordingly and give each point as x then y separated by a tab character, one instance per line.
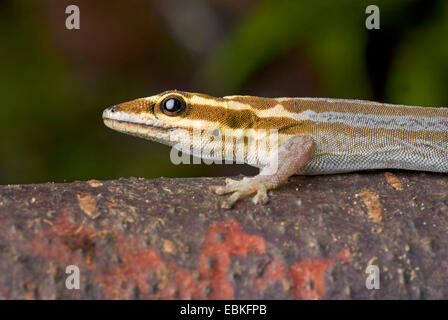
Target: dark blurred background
55	82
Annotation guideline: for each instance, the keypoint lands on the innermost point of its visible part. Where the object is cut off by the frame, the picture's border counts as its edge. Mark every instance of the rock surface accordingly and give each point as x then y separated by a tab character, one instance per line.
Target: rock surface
169	239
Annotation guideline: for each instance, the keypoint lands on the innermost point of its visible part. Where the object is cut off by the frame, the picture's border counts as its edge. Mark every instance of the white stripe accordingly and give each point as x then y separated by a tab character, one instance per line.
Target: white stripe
410	123
276	111
229	104
362	102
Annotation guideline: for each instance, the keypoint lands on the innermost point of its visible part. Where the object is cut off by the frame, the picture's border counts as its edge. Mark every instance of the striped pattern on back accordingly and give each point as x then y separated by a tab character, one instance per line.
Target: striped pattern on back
350	135
361	135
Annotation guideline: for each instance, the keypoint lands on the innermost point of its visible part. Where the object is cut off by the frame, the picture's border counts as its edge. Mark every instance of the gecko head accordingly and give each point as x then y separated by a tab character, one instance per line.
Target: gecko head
171	116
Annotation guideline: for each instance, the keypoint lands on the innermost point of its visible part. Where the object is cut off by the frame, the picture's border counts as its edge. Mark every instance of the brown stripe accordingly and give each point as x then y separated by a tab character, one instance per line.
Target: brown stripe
256	102
319	106
237	119
311	127
297	105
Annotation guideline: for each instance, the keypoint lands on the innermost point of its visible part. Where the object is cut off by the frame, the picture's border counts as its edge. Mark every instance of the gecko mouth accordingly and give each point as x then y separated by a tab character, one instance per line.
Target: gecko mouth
125	122
149	129
120	120
133	127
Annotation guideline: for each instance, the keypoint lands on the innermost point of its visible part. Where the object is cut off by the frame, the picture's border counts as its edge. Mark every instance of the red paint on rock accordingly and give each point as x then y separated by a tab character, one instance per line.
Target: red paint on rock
144	274
61	239
307	277
274	272
222	241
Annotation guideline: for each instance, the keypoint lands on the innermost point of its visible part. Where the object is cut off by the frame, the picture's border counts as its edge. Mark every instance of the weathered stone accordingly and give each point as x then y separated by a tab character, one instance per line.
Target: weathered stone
169	239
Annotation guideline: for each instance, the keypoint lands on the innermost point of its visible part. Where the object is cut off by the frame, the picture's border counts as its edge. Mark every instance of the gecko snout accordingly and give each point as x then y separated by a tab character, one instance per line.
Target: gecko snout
107	112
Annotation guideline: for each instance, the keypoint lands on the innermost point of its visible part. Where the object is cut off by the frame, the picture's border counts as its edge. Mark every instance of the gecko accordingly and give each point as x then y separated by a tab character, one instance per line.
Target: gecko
313	135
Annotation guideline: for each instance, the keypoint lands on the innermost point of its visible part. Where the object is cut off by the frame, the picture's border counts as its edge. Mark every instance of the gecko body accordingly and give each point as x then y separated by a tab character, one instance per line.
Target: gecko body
314	135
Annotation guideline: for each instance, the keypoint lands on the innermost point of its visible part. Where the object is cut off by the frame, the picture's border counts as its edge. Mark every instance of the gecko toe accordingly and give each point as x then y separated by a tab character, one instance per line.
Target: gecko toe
218	189
228	204
261	197
231	186
240	189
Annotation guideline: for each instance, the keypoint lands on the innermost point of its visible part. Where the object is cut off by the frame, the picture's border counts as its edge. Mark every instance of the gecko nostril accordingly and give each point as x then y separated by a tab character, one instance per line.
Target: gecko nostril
113	109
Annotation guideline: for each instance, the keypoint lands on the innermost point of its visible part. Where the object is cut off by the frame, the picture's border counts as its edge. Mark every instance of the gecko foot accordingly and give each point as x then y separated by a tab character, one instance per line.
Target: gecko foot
242	188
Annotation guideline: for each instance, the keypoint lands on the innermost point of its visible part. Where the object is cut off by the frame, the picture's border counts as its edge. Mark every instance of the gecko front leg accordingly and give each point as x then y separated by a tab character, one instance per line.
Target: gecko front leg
293	153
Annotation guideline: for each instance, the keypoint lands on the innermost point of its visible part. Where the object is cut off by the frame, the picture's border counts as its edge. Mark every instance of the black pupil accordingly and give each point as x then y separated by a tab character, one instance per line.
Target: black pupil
173	105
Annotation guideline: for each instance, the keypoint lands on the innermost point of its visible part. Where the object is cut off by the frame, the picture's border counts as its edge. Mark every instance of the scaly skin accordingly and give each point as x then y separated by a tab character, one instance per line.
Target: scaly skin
314	135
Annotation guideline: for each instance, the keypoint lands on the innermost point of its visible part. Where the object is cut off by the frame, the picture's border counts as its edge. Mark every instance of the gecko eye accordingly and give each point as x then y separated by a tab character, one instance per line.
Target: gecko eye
172	106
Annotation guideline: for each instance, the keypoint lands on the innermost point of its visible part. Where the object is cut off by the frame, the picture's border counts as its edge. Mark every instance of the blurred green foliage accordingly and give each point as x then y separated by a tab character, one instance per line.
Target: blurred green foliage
55	82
